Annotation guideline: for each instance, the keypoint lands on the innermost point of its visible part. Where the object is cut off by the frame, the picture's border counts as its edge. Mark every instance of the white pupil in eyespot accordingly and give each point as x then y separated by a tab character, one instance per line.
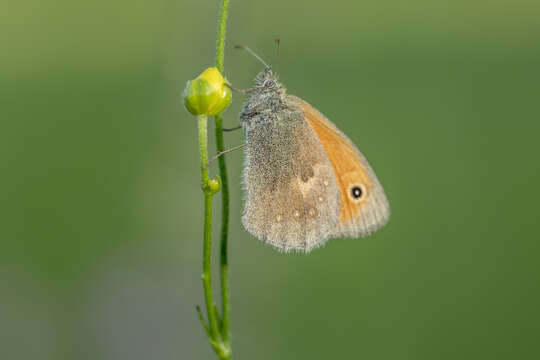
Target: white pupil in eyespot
269	83
356	192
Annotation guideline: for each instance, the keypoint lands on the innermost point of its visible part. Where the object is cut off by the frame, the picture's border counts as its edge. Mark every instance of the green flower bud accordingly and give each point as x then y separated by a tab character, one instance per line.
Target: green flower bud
214	185
207	94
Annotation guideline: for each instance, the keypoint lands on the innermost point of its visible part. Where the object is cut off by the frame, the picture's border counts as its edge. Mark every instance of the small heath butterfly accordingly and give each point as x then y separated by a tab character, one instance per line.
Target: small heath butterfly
305	180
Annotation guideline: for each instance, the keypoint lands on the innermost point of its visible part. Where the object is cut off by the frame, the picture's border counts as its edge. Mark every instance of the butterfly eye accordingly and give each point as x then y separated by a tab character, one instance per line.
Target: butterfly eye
270	83
358	192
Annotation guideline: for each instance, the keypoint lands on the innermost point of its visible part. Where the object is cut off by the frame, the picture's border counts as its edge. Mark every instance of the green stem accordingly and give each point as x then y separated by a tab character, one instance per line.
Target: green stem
217	329
222	29
207	240
224	263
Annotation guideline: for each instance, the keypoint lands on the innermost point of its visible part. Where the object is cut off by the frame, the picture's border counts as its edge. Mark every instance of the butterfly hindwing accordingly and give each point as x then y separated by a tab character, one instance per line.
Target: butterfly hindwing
363	204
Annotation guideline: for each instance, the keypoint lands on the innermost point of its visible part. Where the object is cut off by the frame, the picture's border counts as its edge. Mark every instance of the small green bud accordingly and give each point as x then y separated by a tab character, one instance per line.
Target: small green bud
214	185
207	94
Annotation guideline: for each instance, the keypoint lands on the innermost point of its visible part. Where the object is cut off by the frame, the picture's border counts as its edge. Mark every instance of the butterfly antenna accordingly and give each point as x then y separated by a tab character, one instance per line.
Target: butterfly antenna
252	53
277	57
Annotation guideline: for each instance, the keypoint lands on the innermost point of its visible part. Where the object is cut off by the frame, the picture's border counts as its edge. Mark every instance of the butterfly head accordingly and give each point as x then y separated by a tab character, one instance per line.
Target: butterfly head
267	81
266	97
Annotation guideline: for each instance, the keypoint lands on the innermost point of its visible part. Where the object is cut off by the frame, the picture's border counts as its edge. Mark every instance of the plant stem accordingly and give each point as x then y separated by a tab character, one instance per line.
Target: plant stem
222	29
224	263
207	240
217	329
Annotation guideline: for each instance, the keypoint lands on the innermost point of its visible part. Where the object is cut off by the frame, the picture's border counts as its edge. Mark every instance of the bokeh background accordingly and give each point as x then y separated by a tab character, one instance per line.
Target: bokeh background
101	216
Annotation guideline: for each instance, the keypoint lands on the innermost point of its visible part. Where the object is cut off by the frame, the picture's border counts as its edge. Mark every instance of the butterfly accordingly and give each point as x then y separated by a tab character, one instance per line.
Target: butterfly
305	181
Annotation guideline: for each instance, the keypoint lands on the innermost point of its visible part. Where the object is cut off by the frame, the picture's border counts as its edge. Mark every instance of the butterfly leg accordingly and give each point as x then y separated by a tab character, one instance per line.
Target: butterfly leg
243	91
233	128
223	153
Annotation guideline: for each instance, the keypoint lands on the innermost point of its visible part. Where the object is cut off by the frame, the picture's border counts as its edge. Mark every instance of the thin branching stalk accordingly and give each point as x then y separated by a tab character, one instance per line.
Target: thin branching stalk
217	328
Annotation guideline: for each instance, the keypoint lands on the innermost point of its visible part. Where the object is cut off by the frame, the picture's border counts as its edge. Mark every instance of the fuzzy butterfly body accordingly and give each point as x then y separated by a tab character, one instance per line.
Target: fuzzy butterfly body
305	180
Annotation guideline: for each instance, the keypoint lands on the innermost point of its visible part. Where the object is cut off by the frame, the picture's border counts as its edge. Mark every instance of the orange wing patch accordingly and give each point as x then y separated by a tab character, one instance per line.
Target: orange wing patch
351	174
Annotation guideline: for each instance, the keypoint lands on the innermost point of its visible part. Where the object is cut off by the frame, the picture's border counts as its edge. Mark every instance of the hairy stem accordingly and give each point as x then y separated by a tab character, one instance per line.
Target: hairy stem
217	329
222	29
224	262
207	239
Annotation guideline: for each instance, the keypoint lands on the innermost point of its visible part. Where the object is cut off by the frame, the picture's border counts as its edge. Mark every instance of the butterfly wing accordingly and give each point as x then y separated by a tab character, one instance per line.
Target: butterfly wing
292	199
363	204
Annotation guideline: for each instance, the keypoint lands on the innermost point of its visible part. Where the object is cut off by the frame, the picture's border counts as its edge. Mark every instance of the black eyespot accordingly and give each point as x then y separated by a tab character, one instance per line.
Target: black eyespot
357	192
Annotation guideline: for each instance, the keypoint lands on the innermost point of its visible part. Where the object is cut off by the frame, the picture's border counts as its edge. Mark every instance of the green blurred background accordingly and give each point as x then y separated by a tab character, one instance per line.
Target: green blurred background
101	231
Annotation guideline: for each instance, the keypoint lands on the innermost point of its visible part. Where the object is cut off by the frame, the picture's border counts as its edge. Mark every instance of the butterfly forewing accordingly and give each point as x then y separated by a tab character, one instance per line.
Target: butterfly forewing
292	198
